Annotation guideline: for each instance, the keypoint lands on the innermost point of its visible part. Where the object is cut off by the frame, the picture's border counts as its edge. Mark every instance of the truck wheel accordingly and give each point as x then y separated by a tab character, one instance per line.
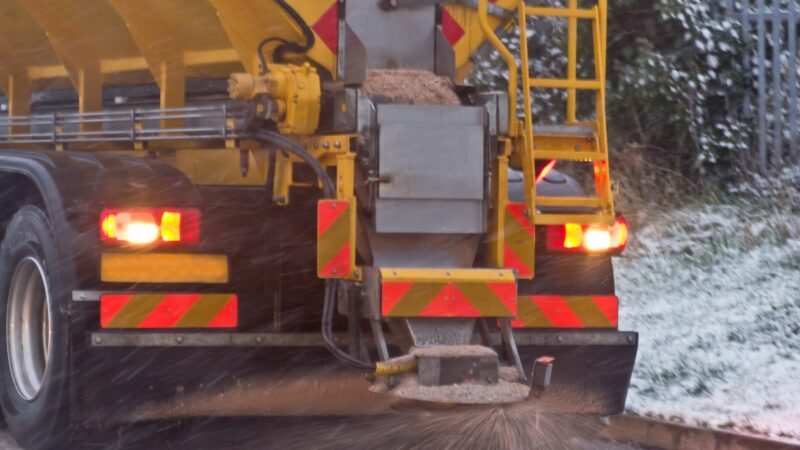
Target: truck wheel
33	338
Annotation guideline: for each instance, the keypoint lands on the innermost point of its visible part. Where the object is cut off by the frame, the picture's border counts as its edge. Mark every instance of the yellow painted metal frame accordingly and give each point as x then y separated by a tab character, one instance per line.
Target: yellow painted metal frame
508	58
89	43
335	150
327	149
469	20
501	225
222	166
496	239
345	190
448	275
527	143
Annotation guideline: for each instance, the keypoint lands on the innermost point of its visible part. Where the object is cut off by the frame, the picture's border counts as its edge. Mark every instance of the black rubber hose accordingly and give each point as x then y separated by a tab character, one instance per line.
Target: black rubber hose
291	47
327	331
329	191
261	57
328	188
308	34
285	45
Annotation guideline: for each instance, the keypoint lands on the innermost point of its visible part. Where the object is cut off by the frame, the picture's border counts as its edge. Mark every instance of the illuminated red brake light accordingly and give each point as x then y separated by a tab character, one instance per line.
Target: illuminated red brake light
573	237
543	170
620	232
143	226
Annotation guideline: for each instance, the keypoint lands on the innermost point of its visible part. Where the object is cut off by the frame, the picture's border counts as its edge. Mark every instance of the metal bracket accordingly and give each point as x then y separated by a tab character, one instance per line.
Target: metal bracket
58	128
194	339
445	62
352	62
541	375
494	10
511	346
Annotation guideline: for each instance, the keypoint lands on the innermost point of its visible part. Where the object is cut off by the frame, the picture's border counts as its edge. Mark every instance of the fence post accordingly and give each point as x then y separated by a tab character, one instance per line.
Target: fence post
792	36
762	87
777	92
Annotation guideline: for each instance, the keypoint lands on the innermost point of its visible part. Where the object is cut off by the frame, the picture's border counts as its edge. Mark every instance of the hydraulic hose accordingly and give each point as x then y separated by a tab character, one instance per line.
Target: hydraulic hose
328	188
329	191
327	332
285	45
260	51
308	34
396	366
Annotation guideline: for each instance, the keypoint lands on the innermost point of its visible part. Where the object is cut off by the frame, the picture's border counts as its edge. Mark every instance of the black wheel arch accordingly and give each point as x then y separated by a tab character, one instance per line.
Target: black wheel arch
73	187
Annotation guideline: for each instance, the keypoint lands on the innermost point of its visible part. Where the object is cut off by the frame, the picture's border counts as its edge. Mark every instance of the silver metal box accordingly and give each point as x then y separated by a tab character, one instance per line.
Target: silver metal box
431	161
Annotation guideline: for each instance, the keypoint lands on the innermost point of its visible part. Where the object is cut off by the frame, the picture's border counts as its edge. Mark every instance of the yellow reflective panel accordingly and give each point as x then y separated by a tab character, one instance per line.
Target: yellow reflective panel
573	235
163	268
171	226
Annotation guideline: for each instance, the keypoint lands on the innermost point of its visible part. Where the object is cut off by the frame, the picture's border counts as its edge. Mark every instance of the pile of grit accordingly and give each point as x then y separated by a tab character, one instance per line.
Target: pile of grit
409	87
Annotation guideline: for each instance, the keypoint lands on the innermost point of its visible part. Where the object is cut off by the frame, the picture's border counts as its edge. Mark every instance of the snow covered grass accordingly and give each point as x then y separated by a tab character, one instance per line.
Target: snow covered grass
714	291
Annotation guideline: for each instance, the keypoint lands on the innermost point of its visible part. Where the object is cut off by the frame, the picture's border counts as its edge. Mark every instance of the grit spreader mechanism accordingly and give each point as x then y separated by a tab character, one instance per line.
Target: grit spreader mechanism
463	246
422	194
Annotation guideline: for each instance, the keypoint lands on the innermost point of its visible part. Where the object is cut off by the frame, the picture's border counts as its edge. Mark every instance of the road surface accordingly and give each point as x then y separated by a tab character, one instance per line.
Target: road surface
296	433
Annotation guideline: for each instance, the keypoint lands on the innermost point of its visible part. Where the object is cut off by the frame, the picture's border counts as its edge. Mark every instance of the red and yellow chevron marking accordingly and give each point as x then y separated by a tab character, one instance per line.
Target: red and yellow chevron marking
323	18
336	229
461	28
519	251
557	311
168	310
448	293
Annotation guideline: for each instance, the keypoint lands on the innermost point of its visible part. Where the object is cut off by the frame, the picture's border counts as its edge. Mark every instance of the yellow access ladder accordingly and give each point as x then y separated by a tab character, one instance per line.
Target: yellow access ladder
573	141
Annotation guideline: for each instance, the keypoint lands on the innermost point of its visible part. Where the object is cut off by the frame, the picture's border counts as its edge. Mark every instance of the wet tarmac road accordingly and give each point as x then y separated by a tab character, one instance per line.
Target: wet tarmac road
328	433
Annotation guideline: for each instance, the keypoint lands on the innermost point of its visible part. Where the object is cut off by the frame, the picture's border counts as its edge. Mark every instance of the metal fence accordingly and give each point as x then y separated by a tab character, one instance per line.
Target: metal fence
769	32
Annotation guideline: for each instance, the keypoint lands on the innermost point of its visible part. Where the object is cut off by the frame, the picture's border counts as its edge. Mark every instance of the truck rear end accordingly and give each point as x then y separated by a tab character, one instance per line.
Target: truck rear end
316	195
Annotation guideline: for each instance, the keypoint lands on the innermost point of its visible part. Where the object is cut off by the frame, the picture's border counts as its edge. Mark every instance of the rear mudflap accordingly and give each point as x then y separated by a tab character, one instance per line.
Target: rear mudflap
591	371
590	374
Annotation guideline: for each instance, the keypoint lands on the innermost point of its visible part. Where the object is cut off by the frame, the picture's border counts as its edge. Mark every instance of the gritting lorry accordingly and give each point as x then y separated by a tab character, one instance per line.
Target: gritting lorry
191	190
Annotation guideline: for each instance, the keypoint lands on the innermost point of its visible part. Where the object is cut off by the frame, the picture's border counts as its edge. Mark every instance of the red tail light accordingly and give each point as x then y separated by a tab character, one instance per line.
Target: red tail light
143	226
542	169
588	238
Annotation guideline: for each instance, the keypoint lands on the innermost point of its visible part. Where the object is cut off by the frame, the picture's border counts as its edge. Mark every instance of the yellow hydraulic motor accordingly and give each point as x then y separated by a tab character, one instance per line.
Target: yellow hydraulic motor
293	94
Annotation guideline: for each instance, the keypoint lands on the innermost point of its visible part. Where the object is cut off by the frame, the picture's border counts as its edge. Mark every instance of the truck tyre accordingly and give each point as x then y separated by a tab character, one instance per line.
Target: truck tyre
33	340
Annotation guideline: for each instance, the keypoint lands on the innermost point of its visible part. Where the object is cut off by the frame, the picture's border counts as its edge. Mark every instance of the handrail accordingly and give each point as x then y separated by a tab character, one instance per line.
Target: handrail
523	129
70	127
508	57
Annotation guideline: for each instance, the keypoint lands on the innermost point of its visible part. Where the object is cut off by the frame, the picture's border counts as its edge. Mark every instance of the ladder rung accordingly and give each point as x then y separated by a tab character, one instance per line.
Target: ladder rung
569	155
559	12
564	143
591	202
582	219
585	131
560	83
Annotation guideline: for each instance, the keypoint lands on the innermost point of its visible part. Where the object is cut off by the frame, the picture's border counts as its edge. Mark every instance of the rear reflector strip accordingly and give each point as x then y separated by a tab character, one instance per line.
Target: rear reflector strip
168	310
554	311
336	230
448	293
163	268
327	27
